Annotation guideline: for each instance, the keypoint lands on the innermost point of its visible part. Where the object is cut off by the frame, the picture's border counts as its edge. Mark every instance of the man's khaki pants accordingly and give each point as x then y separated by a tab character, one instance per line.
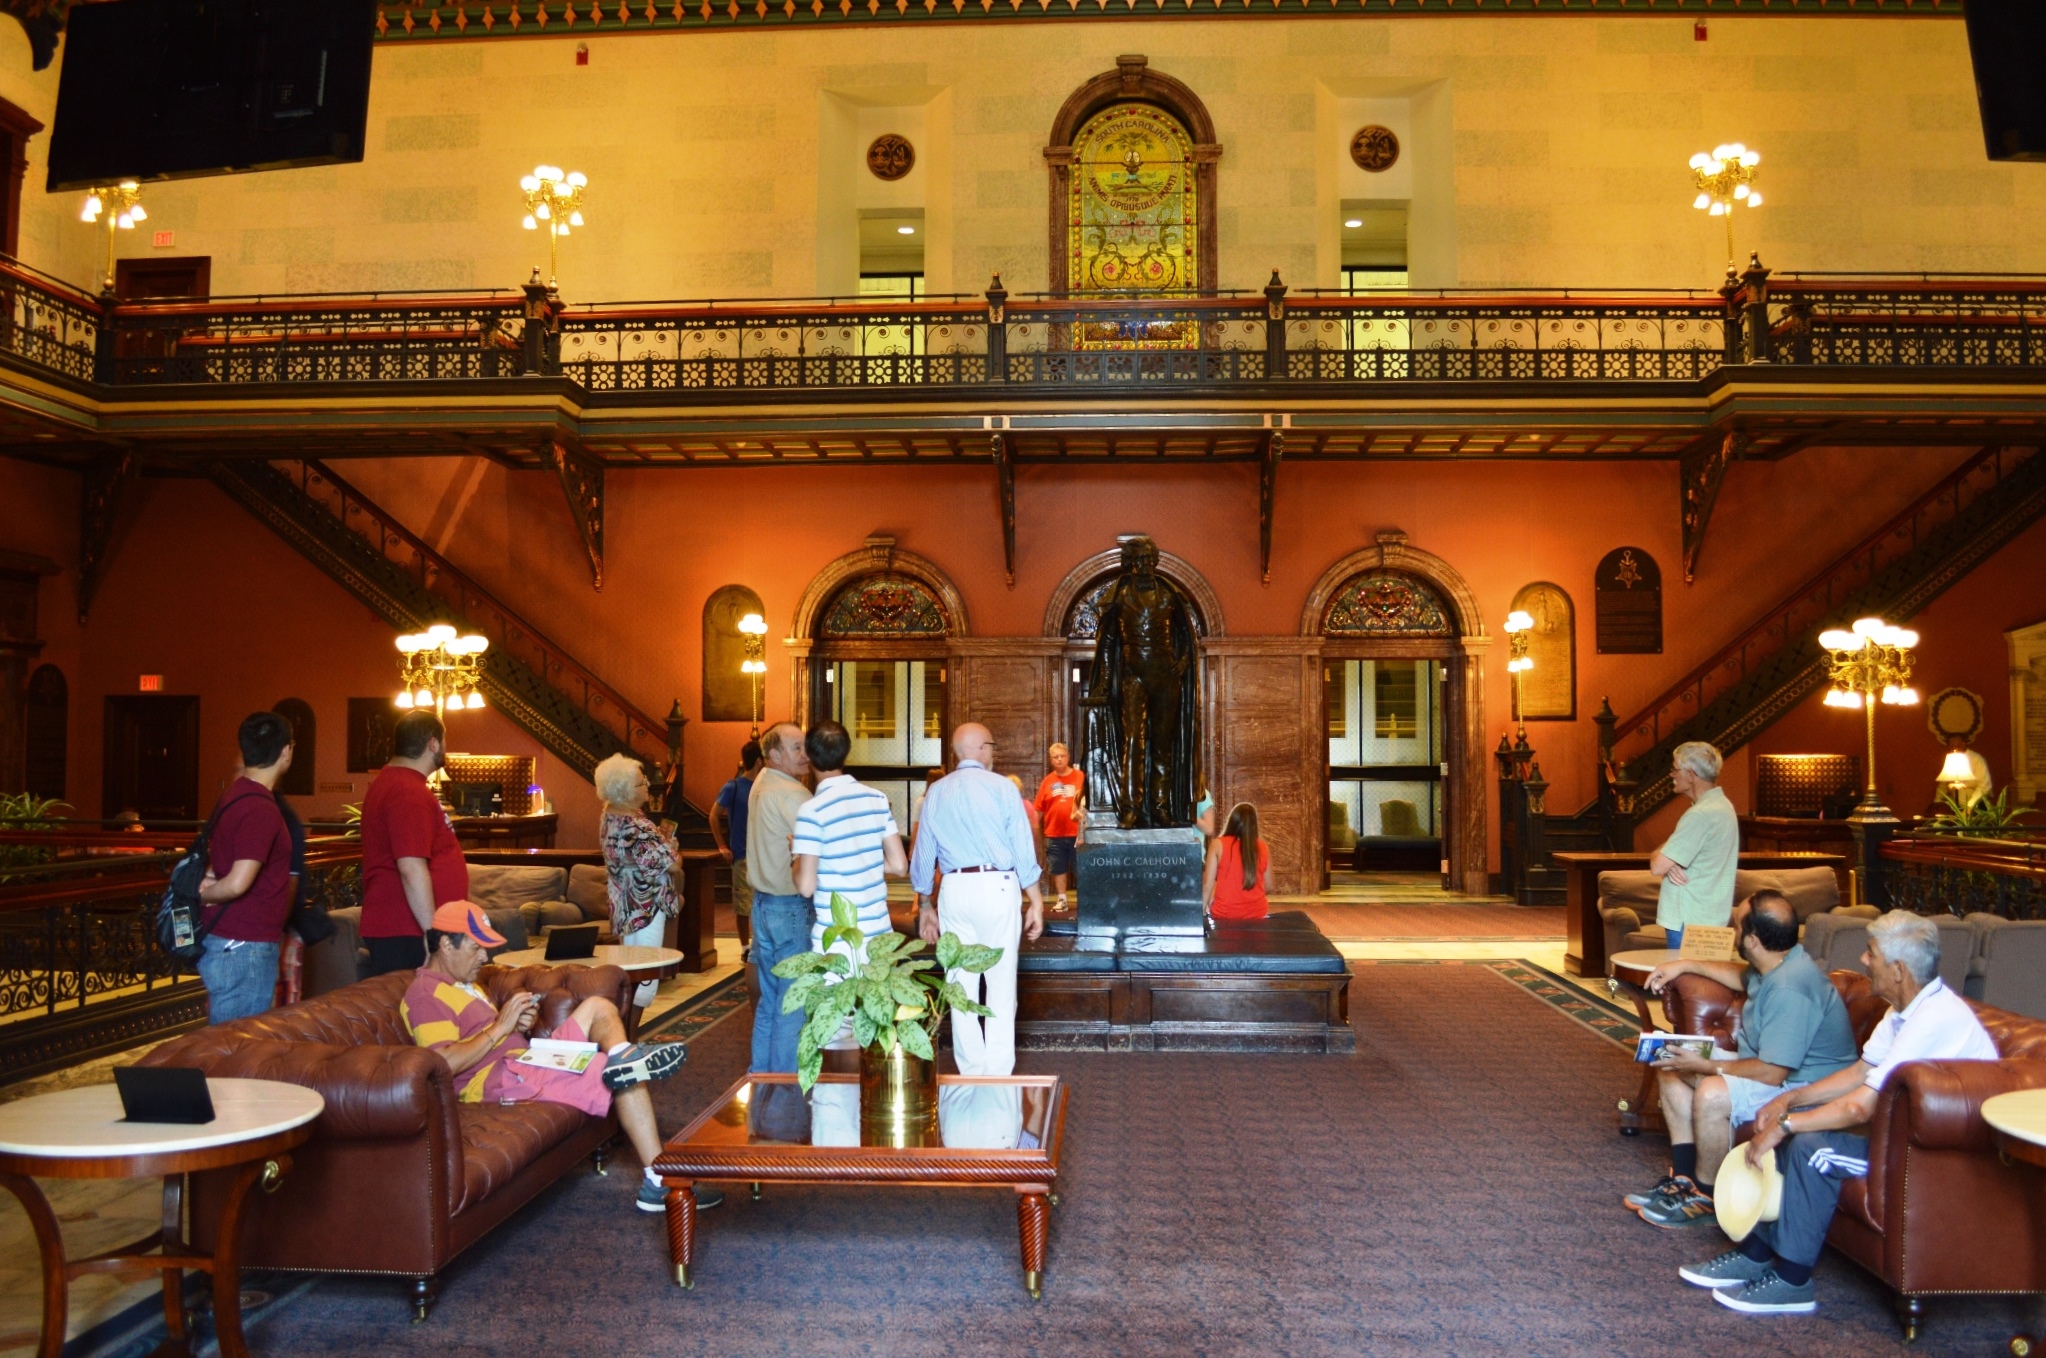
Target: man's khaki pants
986	908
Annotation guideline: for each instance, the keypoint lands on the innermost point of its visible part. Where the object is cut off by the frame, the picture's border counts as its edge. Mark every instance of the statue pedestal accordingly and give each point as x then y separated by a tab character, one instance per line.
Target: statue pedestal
1140	884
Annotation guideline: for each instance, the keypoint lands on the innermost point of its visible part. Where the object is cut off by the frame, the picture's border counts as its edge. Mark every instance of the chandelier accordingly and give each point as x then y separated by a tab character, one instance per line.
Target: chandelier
441	670
120	206
1725	175
1870	664
554	198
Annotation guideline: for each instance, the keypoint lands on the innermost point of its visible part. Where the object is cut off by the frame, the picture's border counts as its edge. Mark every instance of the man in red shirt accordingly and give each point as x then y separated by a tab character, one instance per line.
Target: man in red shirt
1059	808
248	887
411	864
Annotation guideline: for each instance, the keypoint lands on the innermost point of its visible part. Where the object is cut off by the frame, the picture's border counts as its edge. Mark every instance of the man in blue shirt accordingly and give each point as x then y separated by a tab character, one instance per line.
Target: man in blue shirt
974	831
728	828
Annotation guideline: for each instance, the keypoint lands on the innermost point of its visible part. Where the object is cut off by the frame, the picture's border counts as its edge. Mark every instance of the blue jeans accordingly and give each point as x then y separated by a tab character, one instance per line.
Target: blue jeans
1676	936
781	929
240	981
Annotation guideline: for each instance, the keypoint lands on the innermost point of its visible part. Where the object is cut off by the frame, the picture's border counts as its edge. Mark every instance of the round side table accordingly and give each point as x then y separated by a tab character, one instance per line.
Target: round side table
80	1134
1627	974
2019	1121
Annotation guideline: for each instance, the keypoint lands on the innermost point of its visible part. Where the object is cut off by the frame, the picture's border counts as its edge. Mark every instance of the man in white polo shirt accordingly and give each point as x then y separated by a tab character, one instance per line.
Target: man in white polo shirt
846	839
1770	1272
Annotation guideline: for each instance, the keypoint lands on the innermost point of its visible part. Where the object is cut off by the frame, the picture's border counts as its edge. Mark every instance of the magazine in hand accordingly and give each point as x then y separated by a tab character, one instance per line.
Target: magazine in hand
550	1054
1650	1046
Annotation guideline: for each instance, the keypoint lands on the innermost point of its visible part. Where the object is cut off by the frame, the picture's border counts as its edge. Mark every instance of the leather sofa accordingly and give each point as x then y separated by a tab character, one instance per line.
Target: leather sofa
1940	1210
1626	900
400	1176
522	901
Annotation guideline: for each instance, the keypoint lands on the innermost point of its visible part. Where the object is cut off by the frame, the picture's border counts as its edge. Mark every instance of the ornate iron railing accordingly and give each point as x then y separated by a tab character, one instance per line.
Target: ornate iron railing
1835	320
379	338
47	323
1941	875
1776	661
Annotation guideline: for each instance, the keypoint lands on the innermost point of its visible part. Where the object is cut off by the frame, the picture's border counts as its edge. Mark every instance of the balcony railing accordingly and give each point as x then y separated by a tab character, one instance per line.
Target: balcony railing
1938	875
1271	340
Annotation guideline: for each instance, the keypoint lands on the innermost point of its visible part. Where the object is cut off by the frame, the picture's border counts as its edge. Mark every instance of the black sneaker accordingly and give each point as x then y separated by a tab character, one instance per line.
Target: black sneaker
653	1197
1770	1295
1636	1201
1682	1206
1731	1269
643	1062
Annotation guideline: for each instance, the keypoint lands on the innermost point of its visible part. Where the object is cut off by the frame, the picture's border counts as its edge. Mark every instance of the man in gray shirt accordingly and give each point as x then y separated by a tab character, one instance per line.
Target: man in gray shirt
1793	1030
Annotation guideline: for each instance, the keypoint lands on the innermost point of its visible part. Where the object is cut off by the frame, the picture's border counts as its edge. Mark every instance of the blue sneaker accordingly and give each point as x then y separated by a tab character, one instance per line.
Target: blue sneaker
1770	1295
653	1197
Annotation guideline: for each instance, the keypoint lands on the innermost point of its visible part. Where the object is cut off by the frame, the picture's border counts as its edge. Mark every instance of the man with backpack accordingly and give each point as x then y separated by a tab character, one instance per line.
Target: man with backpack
247	891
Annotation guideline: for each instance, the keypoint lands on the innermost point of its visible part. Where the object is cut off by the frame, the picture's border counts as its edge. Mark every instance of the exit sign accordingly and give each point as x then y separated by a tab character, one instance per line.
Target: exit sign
151	683
163	239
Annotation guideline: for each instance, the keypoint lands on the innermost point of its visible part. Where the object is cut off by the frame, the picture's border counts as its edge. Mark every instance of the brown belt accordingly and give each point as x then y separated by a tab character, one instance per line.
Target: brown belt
982	868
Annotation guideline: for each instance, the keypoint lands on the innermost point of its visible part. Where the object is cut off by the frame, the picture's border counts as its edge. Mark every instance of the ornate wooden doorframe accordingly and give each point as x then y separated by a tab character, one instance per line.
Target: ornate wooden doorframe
1465	841
1133	80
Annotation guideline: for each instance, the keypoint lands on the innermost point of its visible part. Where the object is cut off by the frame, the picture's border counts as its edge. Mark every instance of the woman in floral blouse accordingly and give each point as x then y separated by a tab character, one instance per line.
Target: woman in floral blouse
639	861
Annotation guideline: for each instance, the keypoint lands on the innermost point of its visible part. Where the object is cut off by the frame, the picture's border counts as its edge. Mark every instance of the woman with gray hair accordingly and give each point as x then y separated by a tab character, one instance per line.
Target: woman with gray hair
1698	860
639	861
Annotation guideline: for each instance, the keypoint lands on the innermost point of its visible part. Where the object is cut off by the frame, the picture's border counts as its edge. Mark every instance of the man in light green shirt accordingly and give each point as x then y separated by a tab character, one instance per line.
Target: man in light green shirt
1697	862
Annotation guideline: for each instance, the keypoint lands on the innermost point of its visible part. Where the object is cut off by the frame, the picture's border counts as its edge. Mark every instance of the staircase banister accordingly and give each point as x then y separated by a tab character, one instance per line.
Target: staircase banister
1759	631
558	658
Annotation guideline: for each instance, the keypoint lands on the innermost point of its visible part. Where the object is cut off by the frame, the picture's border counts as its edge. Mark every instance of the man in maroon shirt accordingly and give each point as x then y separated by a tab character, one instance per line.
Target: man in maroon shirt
248	887
411	864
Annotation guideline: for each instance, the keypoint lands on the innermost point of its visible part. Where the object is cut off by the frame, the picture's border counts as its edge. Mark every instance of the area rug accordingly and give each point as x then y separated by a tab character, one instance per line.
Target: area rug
1453	1188
1378	923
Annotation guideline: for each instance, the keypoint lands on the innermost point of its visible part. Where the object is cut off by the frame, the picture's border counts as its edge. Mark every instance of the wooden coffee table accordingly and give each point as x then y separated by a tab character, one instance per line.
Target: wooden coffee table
1627	974
981	1119
79	1134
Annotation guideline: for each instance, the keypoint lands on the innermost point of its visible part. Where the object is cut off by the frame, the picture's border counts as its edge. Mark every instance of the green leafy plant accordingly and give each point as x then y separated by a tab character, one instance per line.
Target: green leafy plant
26	811
899	994
1988	818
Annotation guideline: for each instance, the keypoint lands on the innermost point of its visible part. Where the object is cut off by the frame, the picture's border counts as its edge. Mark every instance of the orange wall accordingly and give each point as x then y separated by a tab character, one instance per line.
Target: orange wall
200	593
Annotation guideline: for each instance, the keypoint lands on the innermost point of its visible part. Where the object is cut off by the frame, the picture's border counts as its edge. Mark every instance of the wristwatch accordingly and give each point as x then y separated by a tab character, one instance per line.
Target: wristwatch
1783	1121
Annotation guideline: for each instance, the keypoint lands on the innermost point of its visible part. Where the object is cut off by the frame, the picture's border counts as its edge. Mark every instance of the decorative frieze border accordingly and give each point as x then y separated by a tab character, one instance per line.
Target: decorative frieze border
404	21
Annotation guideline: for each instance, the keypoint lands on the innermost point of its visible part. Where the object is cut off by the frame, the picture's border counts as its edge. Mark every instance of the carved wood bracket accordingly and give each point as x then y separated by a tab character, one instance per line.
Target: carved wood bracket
101	492
582	481
1267	489
1702	469
1005	480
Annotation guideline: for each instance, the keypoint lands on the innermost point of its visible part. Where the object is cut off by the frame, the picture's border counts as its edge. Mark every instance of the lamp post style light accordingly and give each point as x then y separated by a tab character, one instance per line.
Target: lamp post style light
1871	664
753	628
554	199
441	670
1725	175
120	207
1519	624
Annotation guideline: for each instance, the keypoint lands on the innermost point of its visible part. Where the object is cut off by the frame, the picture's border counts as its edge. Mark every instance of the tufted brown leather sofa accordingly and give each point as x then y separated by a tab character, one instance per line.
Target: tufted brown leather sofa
1940	1210
400	1176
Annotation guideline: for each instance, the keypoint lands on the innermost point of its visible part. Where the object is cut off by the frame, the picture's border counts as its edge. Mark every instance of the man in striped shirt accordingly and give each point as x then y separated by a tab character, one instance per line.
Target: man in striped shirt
846	839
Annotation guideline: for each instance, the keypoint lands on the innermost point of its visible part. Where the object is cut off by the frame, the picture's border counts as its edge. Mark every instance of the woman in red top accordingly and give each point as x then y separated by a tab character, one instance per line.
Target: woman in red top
1232	888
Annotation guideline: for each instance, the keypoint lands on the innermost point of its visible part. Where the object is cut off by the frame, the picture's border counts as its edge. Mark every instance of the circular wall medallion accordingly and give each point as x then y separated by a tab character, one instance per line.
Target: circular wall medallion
1954	714
1375	148
891	156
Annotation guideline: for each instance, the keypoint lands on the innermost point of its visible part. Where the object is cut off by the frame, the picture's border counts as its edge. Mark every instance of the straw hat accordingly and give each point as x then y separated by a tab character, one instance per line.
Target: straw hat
1745	1194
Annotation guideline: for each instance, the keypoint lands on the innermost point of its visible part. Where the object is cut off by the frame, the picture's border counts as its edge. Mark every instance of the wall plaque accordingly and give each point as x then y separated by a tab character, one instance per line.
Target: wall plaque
728	691
1375	148
370	723
1548	692
891	156
1627	601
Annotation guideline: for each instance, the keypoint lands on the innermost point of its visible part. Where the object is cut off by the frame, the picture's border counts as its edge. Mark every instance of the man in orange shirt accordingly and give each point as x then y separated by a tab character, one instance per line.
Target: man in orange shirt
1059	807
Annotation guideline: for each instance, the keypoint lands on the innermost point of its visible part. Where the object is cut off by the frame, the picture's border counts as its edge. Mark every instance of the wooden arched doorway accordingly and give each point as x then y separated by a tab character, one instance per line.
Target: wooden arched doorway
872	651
1403	705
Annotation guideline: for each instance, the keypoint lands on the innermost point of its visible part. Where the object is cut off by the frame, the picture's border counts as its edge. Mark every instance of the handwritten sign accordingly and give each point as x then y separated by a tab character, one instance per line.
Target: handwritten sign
1705	943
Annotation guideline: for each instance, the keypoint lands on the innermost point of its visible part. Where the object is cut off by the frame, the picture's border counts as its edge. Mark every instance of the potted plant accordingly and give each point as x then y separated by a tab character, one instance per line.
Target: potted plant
896	999
1983	818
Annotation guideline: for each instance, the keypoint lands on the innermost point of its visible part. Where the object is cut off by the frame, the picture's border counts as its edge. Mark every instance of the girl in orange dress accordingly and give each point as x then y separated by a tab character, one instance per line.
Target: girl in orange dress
1233	888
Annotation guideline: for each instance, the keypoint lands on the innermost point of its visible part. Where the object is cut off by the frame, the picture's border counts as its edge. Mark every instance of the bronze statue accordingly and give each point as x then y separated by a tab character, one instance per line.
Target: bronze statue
1143	698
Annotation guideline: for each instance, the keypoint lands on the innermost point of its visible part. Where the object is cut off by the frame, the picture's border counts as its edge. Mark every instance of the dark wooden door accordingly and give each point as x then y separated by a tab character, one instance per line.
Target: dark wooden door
151	763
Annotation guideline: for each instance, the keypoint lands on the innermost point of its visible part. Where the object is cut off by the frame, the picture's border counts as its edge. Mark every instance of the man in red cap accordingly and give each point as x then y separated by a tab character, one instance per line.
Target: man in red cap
445	1011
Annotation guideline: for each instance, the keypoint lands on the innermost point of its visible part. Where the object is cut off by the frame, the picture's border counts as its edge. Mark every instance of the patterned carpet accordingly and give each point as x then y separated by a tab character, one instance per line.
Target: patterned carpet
1444	923
1452	1189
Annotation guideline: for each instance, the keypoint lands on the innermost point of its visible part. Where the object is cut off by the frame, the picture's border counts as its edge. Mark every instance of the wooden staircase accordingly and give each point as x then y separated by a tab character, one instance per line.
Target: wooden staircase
532	680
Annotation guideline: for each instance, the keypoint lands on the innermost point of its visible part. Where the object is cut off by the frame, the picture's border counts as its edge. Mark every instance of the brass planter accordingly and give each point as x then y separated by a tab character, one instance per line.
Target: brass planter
898	1099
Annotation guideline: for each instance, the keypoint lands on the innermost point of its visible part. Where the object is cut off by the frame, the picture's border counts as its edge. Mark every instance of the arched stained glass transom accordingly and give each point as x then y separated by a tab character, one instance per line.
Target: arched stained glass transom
1388	604
883	606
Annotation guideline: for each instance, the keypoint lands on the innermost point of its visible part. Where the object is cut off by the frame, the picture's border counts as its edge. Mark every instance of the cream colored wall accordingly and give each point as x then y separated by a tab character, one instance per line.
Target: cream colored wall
1548	151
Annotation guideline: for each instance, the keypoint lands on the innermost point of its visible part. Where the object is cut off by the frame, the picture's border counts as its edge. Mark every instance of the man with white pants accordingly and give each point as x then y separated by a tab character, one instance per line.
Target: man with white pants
975	832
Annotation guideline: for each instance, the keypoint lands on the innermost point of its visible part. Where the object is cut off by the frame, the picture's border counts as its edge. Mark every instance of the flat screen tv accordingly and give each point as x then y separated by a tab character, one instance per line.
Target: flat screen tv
171	89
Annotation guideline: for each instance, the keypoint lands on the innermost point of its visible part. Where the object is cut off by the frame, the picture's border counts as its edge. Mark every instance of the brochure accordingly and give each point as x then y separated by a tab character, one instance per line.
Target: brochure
550	1054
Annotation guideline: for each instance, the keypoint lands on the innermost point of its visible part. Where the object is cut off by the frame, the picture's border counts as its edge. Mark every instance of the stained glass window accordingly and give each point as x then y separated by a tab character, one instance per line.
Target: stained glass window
1133	213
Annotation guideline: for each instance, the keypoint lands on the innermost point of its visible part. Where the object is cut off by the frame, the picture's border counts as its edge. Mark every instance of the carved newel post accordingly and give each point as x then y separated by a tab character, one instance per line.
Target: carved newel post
1140	856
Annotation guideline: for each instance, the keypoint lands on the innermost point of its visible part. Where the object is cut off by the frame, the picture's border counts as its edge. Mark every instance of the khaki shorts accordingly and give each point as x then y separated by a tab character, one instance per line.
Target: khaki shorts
742	889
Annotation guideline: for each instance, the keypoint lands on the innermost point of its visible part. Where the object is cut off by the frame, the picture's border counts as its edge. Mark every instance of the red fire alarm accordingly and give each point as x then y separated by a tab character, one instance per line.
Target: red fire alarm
582	54
1698	33
151	683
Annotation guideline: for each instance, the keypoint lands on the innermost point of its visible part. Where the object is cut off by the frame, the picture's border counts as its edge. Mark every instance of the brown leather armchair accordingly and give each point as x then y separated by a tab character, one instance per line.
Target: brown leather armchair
400	1176
1940	1211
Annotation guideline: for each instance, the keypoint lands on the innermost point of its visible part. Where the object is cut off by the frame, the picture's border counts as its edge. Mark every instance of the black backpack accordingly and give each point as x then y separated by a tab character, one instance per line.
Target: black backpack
181	926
